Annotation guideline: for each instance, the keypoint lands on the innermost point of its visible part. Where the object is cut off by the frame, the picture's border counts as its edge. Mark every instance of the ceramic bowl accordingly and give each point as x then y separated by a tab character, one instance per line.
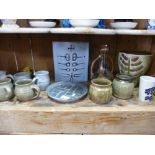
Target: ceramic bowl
123	25
134	63
84	22
40	24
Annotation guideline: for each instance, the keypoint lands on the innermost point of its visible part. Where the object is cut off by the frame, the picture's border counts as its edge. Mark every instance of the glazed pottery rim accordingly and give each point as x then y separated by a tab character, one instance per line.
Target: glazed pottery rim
125	77
139	53
4	81
21	73
106	81
42	72
21	82
147	78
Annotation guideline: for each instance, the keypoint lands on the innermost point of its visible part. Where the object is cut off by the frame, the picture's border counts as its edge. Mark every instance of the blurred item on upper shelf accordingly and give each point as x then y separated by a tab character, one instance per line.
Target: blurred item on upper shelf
123	24
151	24
9	23
97	23
48	23
57	21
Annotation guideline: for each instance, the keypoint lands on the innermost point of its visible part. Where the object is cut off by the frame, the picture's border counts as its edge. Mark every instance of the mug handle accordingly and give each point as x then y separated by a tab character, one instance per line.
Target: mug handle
36	89
35	80
10	76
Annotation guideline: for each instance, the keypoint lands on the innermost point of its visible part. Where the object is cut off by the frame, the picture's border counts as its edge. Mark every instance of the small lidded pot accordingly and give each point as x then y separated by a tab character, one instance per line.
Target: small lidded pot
6	89
100	90
123	86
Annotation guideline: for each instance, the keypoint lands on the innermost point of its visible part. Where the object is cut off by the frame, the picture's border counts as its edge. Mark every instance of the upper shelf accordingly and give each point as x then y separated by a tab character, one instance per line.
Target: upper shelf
78	31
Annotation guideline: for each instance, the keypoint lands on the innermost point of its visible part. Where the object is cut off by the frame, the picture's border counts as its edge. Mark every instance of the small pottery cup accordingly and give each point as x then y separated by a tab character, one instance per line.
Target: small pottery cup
42	79
25	90
123	86
21	76
100	90
146	87
3	75
6	89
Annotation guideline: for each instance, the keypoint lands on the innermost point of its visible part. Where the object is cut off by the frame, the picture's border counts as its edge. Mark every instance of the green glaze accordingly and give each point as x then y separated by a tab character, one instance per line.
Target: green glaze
100	90
123	86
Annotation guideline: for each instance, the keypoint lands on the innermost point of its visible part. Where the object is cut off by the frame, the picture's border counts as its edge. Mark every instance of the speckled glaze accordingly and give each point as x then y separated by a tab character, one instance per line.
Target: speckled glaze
25	90
6	89
100	90
123	86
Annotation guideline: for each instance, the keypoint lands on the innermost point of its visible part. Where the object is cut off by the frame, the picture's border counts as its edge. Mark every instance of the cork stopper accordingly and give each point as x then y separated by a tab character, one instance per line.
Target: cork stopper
104	49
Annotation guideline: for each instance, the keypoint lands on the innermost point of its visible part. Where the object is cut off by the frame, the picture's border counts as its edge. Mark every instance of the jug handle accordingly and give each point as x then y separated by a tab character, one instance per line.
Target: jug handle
36	89
92	65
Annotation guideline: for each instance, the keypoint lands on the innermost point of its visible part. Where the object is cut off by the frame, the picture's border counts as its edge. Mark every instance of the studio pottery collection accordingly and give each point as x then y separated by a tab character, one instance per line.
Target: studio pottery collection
71	76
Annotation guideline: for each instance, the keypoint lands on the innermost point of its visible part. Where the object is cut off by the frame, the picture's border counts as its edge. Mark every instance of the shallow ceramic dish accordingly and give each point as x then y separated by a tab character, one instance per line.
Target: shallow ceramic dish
84	22
123	25
40	24
134	63
66	91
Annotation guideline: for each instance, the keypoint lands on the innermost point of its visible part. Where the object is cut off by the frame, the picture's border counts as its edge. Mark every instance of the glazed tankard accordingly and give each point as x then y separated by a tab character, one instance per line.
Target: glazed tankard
26	90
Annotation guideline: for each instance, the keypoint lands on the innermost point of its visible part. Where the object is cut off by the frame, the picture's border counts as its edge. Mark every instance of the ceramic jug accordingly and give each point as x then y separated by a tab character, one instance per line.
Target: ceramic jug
25	90
6	89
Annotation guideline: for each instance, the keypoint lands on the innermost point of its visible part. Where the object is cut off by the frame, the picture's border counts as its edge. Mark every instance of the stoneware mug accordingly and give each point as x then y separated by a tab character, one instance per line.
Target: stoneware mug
42	79
21	76
3	75
146	87
6	89
26	90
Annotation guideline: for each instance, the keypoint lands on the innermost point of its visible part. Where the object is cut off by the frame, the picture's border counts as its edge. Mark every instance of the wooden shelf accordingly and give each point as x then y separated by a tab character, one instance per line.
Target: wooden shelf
78	31
83	31
44	116
25	30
